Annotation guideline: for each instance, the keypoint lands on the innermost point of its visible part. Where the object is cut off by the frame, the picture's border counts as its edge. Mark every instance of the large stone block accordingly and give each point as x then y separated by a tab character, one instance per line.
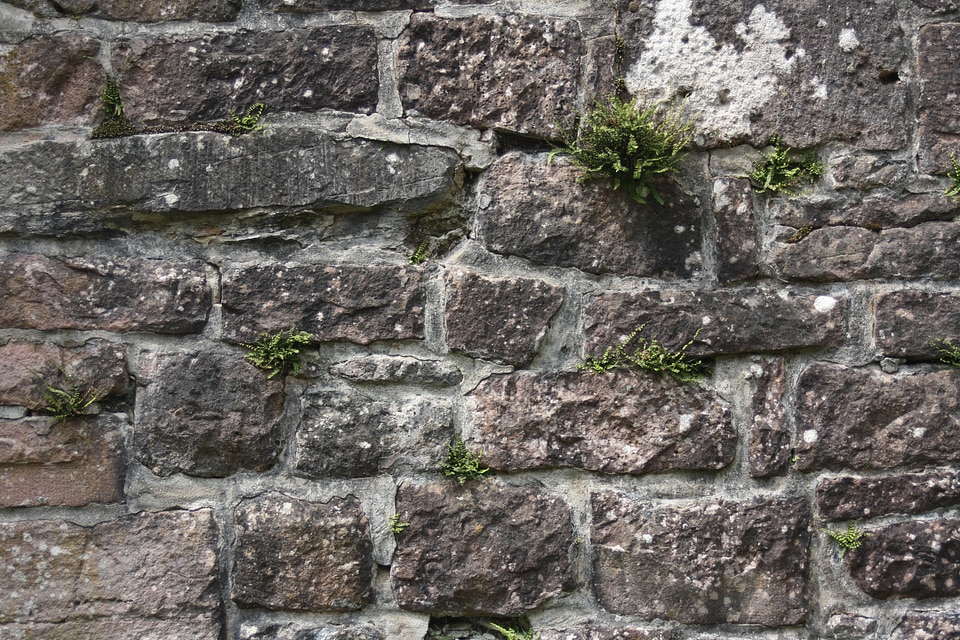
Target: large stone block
907	322
927	625
513	73
111	294
850	497
408	369
135	10
316	6
864	419
355	303
206	414
468	548
500	319
597	632
770	448
875	212
617	422
296	555
709	563
350	432
938	53
908	560
540	212
728	320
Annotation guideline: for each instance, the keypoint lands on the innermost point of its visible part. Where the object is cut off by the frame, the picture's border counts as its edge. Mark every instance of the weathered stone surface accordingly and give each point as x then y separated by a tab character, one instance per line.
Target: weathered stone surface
864	419
875	213
301	631
166	79
68	463
938	52
135	10
607	633
517	73
852	498
769	452
408	369
155	571
907	321
618	422
540	212
112	294
927	625
468	548
865	171
295	555
736	231
908	559
500	319
729	320
49	79
708	563
206	414
355	303
314	6
849	626
349	432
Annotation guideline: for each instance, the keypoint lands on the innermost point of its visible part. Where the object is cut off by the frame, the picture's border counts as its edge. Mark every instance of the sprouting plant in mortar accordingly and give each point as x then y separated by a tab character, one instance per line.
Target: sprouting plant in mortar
647	355
279	353
115	123
852	538
250	120
420	254
395	525
512	634
949	352
953	191
462	463
68	400
784	170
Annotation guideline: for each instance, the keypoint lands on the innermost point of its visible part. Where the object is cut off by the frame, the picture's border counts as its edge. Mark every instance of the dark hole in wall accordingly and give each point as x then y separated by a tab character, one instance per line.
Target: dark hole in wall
888	76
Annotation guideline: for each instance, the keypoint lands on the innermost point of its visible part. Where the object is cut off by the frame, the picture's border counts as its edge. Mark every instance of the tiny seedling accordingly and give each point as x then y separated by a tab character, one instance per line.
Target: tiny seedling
462	463
949	352
278	352
512	634
395	525
783	170
115	123
953	191
250	120
420	254
647	355
852	538
67	401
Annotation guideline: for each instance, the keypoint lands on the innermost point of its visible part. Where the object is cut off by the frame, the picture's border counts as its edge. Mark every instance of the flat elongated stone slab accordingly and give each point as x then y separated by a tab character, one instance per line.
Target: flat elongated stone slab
938	53
769	451
927	625
850	497
736	229
135	10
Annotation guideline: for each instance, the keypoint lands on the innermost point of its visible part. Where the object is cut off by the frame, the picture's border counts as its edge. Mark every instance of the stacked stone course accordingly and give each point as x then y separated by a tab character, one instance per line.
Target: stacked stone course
197	498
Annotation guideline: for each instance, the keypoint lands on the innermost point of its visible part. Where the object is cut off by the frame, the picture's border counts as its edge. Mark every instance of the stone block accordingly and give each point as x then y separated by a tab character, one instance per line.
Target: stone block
710	563
850	418
296	555
407	369
729	320
351	432
50	79
135	10
597	632
468	548
541	212
938	53
618	422
908	560
499	319
111	294
317	6
853	498
513	73
927	625
359	304
907	321
736	230
770	447
303	631
206	414
875	212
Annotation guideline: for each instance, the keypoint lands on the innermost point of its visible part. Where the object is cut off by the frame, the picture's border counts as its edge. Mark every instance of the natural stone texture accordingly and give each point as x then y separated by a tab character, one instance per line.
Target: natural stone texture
608	633
729	320
315	6
348	432
736	232
301	631
408	369
852	498
618	422
938	53
49	79
500	319
69	463
112	294
908	560
864	419
927	625
152	573
877	212
97	367
848	626
468	548
517	73
167	79
709	563
135	10
770	447
296	555
864	171
206	414
355	303
907	321
833	254
540	212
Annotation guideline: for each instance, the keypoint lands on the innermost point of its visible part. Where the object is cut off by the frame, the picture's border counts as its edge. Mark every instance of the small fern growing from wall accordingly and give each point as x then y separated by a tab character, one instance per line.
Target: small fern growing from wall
953	191
512	634
852	538
949	352
462	463
278	353
647	355
783	170
67	400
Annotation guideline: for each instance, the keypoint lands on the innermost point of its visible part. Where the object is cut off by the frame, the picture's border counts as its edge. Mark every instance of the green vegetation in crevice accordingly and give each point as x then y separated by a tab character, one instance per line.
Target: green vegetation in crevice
421	254
953	191
278	353
648	355
784	170
395	525
462	463
852	538
949	352
509	633
66	400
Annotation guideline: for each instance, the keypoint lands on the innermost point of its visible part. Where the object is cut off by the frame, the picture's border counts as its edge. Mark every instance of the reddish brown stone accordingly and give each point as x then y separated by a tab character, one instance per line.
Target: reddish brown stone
736	231
908	322
938	54
852	498
770	446
874	212
165	10
928	625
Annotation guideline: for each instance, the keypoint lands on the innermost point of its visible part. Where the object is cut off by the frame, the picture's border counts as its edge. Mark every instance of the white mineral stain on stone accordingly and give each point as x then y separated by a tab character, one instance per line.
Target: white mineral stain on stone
918	432
848	40
810	436
723	87
824	304
819	89
173	164
171	199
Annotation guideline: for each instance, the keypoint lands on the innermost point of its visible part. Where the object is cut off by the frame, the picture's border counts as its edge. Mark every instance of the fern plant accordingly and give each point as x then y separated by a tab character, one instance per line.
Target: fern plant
949	352
395	525
250	119
462	463
783	170
67	401
279	353
647	355
512	634
852	538
420	254
953	191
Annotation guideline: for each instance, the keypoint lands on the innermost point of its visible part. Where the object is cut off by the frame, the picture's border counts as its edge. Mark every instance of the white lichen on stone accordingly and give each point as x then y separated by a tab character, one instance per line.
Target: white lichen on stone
848	40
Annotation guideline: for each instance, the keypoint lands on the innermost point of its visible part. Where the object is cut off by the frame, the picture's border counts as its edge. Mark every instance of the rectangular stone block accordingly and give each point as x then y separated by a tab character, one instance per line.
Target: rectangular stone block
852	498
928	625
316	6
770	448
710	563
938	53
907	323
736	231
112	294
134	10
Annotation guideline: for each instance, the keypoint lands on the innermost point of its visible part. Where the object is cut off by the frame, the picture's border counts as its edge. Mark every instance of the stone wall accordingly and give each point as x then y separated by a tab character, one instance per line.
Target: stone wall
197	498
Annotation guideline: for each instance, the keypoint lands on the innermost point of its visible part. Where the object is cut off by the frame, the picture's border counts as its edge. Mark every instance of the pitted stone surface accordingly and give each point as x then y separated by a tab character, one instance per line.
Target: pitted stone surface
875	212
514	73
296	555
301	631
351	432
113	294
729	320
850	497
712	563
927	625
864	419
608	633
907	321
468	548
500	319
908	560
540	212
135	10
384	368
938	53
313	6
355	303
618	422
736	230
770	447
206	414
